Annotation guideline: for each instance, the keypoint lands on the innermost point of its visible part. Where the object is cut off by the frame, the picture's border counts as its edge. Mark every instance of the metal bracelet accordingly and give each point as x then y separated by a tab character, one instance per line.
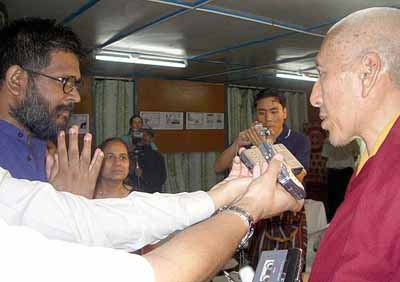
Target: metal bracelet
246	217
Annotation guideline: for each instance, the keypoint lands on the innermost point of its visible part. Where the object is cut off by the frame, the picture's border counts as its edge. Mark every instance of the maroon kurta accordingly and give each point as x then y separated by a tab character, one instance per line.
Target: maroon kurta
363	240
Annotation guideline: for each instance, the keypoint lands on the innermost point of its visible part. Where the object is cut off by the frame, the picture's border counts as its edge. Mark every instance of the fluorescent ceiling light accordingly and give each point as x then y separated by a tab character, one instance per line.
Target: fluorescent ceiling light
157	49
296	76
123	57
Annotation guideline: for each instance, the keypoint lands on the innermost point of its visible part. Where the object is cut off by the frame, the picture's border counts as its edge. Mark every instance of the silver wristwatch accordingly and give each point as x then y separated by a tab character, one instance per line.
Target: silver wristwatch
246	217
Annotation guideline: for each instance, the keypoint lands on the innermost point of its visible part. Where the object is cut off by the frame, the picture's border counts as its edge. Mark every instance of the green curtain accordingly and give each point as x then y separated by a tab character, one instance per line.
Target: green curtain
297	107
240	102
190	171
114	104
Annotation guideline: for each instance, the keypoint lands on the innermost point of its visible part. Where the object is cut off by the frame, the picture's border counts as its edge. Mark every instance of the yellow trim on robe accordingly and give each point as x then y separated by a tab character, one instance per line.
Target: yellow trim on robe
381	137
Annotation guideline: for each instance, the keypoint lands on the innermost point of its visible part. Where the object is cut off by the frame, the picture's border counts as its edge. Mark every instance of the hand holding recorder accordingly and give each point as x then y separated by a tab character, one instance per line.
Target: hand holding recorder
264	153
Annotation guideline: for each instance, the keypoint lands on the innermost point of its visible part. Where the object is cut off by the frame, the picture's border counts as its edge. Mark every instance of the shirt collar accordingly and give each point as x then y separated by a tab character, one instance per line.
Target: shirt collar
381	137
284	134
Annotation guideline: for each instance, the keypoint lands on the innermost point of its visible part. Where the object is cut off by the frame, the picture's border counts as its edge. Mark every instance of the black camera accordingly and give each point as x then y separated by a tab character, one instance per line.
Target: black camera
136	136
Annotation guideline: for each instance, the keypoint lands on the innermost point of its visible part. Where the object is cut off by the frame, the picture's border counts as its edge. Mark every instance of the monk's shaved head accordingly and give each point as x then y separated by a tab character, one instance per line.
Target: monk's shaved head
371	30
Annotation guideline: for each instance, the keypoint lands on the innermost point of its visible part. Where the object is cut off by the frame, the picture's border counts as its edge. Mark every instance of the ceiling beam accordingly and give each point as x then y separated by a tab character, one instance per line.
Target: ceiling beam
261	40
89	4
274	63
241	16
132	29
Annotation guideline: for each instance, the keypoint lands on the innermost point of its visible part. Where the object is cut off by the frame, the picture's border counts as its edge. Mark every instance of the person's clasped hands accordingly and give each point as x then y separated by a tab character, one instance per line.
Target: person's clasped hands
71	171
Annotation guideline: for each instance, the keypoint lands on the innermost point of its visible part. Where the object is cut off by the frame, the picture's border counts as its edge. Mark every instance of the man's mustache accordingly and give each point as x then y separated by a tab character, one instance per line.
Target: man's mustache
65	108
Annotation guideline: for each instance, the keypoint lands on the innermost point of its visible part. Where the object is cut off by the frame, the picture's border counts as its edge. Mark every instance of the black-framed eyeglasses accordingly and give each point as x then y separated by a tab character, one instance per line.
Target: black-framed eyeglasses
69	83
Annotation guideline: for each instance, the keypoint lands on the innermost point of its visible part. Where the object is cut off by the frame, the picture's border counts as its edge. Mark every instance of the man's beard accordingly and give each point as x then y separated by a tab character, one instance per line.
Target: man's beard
34	114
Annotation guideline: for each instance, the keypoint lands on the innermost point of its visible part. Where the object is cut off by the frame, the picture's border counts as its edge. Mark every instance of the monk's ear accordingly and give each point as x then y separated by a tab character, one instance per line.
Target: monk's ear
371	65
16	80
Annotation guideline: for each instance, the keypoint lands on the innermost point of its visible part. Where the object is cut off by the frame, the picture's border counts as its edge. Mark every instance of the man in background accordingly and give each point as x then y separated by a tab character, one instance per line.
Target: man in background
147	166
289	229
271	112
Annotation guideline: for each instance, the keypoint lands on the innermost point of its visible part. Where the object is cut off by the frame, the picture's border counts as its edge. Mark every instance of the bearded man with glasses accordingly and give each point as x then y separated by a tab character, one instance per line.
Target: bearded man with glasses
39	85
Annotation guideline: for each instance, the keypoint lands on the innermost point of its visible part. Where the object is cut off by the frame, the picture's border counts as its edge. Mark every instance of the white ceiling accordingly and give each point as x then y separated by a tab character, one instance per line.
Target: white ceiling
225	41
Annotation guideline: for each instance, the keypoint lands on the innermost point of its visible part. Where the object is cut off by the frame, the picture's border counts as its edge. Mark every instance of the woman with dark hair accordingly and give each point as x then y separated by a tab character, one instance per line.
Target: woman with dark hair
114	171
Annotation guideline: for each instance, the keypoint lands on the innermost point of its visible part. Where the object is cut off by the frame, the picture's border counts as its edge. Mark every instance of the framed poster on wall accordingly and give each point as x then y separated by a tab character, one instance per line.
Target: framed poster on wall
163	120
196	120
81	120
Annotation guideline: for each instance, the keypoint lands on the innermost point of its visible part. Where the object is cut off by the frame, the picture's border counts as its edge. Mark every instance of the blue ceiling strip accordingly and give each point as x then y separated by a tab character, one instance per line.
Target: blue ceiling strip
183	3
196	3
79	11
257	18
276	62
257	41
218	63
211	62
263	75
241	45
124	33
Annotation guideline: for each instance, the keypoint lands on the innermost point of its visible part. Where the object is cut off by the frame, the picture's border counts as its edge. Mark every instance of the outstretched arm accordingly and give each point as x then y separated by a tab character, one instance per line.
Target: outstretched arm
200	251
126	223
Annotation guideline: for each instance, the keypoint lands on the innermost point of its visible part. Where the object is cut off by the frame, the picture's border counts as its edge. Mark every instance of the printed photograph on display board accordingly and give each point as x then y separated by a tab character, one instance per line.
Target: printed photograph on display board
81	120
196	120
163	120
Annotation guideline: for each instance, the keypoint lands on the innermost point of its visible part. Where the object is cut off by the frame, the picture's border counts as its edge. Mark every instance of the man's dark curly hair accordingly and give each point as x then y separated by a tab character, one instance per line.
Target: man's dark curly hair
28	42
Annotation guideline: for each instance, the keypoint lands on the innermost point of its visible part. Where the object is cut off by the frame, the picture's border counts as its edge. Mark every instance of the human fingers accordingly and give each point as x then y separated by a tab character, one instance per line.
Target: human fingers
274	166
263	189
285	201
244	170
96	163
62	151
73	149
256	171
236	168
242	139
49	166
56	165
84	163
254	136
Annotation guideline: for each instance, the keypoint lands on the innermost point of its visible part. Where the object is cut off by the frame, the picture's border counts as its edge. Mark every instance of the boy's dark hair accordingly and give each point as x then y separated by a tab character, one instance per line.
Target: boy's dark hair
28	42
266	93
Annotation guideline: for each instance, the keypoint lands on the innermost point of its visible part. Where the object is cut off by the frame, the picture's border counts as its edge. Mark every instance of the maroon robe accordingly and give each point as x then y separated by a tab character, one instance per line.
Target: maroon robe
362	242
